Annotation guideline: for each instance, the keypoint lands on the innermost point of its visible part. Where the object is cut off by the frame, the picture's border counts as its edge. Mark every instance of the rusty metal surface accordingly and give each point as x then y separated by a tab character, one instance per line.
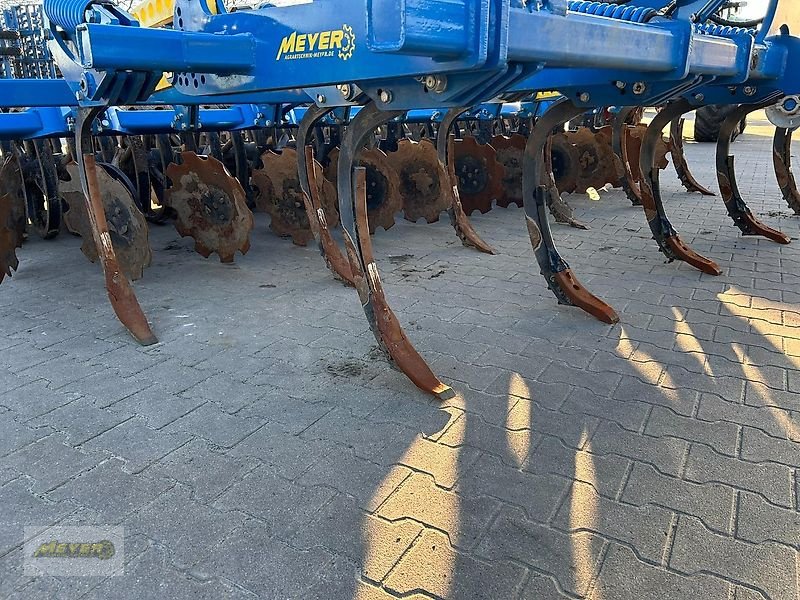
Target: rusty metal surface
689	256
782	160
562	161
391	336
633	142
560	209
127	226
584	158
480	175
281	196
421	177
582	298
384	200
336	261
458	218
509	151
590	163
12	215
678	154
210	206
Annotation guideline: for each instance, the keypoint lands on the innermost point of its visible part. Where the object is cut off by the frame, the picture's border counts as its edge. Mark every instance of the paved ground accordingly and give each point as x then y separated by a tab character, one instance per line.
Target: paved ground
265	449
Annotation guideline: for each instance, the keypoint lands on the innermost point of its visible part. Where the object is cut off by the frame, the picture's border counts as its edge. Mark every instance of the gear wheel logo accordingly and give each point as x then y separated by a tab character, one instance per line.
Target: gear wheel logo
349	43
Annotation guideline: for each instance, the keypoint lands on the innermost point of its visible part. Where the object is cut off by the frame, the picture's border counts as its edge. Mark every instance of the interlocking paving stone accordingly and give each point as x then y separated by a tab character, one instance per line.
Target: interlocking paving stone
264	449
763	566
623	576
771	480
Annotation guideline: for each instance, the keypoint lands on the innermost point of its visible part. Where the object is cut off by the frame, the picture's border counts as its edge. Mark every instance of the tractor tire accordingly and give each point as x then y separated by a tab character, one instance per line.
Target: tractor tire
9	34
708	120
9	51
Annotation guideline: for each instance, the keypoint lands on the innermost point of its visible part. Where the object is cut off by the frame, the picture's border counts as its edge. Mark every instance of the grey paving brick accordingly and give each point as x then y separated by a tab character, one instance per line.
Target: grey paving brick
110	491
17	435
763	566
50	462
710	502
288	572
82	419
720	435
628	414
546	550
601	383
344	529
137	444
665	453
35	399
25	508
343	471
297	415
775	421
159	409
644	528
192	530
207	471
757	446
444	463
151	573
773	481
623	575
761	395
605	472
211	423
107	387
289	455
500	579
538	495
681	400
758	521
225	390
418	499
365	438
284	506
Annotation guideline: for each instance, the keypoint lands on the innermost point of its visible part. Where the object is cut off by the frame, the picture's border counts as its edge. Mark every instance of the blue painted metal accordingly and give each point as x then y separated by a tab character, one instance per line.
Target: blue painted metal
280	55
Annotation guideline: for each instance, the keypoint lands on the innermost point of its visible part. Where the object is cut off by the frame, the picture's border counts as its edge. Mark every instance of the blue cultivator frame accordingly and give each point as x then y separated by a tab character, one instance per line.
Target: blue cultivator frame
394	61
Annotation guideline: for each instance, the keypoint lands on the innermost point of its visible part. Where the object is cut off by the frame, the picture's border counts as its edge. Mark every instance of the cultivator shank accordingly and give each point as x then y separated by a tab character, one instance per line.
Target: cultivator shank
334	117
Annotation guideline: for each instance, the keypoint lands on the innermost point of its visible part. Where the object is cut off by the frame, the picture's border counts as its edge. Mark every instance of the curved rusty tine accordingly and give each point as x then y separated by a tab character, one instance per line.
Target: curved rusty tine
535	191
737	208
334	258
353	215
120	293
663	232
679	159
619	144
458	218
782	158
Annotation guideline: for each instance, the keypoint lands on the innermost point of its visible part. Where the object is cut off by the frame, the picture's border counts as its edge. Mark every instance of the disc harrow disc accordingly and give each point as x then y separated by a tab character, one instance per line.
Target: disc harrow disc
384	200
421	178
12	215
633	143
565	162
210	205
509	155
598	165
480	175
126	223
280	195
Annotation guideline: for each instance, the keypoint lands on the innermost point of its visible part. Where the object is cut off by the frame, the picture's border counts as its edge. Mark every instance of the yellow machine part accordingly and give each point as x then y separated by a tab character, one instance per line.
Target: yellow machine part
158	13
